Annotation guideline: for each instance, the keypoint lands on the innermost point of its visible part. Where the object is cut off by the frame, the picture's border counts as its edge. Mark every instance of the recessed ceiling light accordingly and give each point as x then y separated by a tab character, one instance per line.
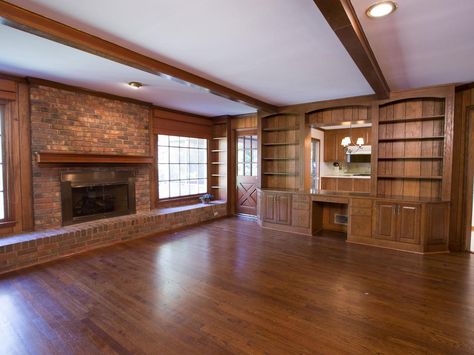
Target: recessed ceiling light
135	85
381	9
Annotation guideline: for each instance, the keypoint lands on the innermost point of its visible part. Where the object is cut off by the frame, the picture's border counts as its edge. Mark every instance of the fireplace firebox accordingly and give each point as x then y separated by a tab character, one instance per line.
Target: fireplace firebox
86	196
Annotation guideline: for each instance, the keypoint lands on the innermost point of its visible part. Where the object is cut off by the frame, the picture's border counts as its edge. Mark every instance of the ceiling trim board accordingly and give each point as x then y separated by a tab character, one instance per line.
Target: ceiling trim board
24	20
342	18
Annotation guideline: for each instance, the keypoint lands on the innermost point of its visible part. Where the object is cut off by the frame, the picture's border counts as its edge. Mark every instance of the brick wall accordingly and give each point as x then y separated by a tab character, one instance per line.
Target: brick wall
67	121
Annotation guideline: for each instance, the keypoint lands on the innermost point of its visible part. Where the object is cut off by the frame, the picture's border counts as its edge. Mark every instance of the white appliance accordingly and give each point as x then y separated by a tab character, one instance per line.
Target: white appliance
356	154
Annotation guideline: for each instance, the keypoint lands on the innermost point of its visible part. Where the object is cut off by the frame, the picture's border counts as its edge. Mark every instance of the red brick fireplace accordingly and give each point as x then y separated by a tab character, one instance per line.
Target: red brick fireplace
75	122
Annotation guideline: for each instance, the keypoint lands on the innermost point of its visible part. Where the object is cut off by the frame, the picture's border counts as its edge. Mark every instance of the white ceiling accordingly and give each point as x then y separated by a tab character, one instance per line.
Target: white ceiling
29	55
423	43
279	51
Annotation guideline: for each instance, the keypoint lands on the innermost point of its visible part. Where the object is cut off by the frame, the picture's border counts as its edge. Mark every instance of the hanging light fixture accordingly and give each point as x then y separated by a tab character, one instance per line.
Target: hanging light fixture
347	141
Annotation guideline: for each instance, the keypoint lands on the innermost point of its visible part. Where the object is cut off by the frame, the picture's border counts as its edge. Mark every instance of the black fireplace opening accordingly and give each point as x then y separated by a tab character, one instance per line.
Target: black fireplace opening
92	200
96	195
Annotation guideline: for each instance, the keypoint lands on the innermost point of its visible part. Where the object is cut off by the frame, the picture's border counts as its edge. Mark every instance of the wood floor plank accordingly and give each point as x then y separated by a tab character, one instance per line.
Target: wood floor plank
231	287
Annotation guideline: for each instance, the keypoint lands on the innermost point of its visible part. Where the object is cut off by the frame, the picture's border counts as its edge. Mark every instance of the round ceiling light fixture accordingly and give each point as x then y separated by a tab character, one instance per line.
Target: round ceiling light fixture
135	85
381	9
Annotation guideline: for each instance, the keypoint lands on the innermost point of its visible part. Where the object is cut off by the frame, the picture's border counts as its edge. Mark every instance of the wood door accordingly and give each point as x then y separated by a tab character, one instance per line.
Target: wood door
247	173
283	209
385	226
409	223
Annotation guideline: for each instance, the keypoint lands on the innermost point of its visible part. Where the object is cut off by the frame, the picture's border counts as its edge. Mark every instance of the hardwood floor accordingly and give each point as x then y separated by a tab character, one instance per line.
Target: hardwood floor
231	287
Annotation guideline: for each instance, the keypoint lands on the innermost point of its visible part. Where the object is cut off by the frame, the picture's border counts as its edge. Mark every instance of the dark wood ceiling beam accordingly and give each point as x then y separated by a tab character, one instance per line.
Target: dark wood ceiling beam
343	20
22	19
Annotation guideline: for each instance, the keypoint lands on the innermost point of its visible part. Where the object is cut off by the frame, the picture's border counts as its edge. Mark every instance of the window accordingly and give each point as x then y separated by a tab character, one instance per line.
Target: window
182	166
247	151
2	168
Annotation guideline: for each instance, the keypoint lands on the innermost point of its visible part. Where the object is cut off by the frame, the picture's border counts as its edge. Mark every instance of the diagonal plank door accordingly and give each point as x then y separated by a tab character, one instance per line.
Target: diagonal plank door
247	174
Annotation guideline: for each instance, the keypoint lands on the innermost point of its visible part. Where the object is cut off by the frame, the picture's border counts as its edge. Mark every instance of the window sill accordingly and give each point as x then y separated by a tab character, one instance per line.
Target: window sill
178	201
168	210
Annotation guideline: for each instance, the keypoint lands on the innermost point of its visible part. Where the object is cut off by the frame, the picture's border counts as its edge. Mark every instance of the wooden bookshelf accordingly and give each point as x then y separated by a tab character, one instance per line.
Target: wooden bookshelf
411	138
218	156
280	143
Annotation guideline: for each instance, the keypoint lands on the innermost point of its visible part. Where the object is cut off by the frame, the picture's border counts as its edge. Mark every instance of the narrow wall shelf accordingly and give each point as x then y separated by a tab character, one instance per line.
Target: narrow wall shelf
411	158
276	173
404	139
410	177
279	129
279	144
412	119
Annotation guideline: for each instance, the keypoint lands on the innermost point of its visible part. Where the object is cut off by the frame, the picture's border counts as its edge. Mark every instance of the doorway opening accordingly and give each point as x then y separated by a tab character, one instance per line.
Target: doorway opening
247	172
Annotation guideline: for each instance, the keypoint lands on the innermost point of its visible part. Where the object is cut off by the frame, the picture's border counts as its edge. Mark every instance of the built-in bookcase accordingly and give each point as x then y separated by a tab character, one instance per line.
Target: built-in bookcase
280	141
219	155
411	148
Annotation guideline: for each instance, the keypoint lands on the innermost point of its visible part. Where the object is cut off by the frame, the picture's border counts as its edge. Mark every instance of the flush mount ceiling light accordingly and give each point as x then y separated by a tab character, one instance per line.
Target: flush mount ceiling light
135	85
381	9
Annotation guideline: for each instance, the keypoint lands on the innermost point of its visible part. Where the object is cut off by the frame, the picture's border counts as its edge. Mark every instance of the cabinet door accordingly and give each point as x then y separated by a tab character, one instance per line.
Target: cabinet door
330	146
283	215
360	222
340	151
385	221
344	184
329	184
361	185
269	211
301	211
409	223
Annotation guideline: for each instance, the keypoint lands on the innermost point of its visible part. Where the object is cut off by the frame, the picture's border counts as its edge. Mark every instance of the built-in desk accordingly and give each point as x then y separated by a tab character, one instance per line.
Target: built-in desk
402	223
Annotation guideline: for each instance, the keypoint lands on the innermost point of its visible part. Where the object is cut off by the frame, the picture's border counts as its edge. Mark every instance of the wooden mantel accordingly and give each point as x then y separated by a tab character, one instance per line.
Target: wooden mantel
84	158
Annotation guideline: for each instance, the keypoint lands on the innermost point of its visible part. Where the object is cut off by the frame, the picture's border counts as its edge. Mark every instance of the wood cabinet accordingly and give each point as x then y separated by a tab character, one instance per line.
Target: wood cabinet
329	184
409	223
269	207
402	224
330	153
361	185
333	150
286	211
283	207
301	211
385	221
360	218
344	184
398	222
277	208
